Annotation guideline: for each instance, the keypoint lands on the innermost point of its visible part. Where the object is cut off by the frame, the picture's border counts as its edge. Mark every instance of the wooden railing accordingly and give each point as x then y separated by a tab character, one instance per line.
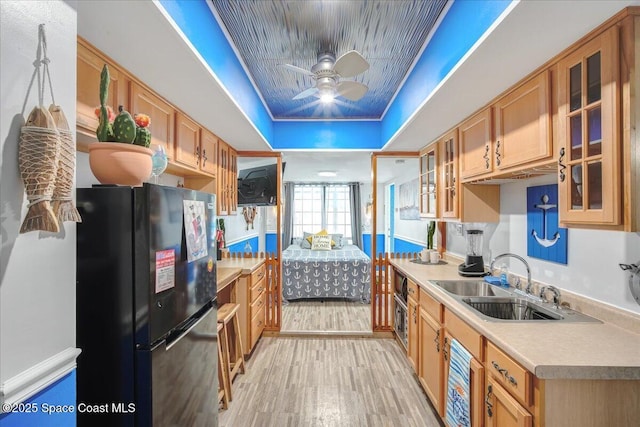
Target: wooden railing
272	309
382	289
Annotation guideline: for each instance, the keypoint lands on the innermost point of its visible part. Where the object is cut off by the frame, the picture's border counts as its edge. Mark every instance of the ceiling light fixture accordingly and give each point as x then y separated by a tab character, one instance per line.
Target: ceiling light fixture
326	97
327	173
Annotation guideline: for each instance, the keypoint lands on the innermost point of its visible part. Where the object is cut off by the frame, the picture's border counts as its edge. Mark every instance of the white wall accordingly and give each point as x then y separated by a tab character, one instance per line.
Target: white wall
593	255
37	270
414	231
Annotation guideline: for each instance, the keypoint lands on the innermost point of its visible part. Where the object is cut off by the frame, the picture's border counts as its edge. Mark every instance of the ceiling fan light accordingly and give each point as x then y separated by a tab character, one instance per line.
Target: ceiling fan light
326	97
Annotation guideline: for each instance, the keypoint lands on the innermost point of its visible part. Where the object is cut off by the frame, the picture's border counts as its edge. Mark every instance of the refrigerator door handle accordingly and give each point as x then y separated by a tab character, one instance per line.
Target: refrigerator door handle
186	332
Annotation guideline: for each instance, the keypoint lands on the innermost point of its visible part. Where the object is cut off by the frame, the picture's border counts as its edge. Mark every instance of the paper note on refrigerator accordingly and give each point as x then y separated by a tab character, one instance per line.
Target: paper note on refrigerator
195	229
165	270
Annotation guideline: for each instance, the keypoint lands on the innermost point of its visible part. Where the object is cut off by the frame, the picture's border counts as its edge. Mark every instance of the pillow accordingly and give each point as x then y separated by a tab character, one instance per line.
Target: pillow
306	241
309	236
321	243
336	241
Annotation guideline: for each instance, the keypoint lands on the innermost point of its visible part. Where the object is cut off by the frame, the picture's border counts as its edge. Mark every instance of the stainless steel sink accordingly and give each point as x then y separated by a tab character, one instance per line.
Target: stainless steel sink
496	304
470	288
522	310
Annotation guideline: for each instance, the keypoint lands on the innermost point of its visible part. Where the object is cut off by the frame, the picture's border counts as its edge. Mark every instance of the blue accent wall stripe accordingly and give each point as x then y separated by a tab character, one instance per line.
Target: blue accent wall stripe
460	29
239	246
364	135
60	394
271	243
195	20
404	246
367	244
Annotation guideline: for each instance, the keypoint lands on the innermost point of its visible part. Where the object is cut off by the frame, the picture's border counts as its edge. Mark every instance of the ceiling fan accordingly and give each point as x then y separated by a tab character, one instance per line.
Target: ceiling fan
327	73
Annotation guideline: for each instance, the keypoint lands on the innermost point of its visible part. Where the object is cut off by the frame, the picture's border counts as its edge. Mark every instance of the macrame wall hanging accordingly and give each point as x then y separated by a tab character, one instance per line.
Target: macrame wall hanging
249	214
46	156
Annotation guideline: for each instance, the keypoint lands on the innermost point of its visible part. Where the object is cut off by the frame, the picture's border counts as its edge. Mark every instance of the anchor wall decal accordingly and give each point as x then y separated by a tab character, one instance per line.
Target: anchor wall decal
544	241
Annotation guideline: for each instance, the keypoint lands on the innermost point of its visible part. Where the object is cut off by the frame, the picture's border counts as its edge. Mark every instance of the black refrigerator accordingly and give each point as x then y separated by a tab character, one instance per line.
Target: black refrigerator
146	307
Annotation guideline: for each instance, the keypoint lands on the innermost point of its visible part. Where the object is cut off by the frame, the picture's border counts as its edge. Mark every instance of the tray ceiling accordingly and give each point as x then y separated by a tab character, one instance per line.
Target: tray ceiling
268	34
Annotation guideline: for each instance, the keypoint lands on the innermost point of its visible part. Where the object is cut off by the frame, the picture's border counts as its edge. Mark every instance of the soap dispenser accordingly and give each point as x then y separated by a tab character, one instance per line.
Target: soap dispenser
504	276
247	248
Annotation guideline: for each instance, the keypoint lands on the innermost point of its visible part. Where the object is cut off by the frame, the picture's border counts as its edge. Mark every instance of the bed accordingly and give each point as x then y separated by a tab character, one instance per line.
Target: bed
336	274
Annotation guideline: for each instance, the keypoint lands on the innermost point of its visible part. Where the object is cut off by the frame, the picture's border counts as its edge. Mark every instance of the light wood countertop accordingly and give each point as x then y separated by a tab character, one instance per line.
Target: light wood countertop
226	275
247	265
550	350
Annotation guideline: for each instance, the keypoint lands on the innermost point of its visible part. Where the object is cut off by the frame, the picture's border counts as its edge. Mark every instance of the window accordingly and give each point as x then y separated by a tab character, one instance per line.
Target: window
318	207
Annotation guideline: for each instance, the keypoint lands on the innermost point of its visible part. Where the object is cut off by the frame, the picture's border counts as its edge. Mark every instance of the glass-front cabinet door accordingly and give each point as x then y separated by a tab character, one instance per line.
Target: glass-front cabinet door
449	182
588	158
427	181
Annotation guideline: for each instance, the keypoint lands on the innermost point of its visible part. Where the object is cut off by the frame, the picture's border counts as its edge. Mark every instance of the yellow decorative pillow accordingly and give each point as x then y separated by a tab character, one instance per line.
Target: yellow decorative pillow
321	242
320	233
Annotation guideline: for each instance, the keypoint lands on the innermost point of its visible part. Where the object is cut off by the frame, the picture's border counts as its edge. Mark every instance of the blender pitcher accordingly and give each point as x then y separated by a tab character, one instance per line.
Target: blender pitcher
474	262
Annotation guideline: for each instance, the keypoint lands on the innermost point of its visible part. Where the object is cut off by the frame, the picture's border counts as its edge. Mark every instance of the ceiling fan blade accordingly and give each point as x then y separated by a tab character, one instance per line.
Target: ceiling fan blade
306	93
352	90
351	64
298	69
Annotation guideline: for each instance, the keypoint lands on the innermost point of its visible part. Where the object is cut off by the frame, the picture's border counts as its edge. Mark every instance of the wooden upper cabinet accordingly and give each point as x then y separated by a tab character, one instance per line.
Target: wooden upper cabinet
589	174
187	141
222	193
475	145
523	124
233	181
209	152
89	68
428	182
161	113
449	183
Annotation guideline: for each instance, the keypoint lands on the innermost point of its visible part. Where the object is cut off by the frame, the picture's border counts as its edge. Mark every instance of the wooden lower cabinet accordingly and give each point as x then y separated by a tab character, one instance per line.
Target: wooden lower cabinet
502	409
251	295
412	344
476	382
430	372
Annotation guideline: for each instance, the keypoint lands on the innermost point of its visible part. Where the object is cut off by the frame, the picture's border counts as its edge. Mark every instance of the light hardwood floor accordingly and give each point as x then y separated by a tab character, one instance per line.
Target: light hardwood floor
329	316
335	382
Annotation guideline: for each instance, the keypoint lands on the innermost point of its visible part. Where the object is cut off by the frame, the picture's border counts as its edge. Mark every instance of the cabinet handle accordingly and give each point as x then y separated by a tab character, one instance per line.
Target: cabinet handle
445	352
486	156
504	373
204	157
561	167
453	187
437	340
197	154
487	401
497	153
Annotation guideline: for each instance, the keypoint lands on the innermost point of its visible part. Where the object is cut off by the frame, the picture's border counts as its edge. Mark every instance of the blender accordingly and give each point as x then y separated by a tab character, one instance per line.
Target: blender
474	263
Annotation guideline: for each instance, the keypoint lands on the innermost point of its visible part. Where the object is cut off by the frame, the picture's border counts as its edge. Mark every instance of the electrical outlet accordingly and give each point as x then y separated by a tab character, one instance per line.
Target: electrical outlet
459	229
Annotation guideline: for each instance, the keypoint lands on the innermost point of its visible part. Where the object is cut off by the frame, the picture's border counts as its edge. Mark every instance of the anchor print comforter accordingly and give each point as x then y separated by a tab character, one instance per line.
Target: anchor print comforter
340	273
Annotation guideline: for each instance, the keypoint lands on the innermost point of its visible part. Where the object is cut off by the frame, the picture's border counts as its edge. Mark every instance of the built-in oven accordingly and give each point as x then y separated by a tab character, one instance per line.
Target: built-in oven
400	307
400	320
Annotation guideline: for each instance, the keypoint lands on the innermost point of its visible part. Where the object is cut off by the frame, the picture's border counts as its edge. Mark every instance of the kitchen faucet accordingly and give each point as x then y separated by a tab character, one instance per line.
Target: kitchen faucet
528	290
556	294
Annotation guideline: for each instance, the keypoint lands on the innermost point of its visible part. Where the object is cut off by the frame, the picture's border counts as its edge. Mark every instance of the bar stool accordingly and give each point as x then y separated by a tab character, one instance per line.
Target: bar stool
234	363
223	379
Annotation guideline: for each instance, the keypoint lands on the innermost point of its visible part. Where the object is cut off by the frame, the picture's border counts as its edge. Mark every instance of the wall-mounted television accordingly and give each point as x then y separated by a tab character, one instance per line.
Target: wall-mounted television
258	186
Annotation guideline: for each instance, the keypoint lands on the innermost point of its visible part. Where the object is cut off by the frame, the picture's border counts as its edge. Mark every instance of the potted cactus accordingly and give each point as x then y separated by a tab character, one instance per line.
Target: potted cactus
122	155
